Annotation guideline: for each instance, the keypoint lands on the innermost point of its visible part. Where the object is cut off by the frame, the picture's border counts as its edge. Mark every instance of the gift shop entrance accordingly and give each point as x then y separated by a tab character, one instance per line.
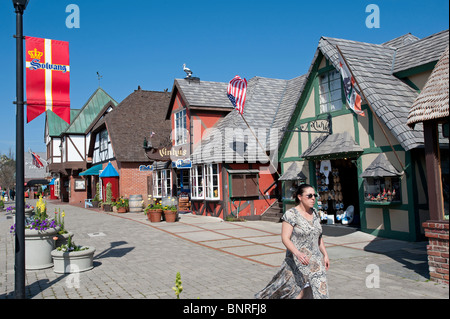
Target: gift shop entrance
337	185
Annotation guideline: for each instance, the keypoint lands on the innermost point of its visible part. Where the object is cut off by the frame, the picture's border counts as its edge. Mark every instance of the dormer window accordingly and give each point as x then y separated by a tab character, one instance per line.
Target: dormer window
180	128
330	92
103	140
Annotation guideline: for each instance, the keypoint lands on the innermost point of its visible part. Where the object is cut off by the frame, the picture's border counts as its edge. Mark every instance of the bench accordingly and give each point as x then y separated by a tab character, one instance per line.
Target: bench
88	203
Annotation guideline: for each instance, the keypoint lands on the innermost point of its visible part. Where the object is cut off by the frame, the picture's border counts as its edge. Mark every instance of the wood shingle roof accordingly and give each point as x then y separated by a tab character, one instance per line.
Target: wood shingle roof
132	120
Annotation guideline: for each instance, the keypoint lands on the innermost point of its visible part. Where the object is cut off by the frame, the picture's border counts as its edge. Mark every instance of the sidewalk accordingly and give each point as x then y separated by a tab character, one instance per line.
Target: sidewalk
137	259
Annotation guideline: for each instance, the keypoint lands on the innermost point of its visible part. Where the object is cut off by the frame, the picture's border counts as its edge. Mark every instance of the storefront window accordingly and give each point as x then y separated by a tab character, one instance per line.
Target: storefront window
330	92
162	183
382	189
197	182
205	182
212	181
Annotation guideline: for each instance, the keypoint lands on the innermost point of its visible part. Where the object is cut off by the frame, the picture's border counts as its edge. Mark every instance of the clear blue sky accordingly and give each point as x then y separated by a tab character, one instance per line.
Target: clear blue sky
146	42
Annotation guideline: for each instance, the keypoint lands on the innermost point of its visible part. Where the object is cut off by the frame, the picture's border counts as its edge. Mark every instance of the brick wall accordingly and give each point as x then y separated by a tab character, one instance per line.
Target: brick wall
132	181
437	233
76	196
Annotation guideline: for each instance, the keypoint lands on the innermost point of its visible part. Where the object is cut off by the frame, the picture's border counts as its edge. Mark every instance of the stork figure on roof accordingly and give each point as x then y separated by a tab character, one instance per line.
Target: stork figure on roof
187	70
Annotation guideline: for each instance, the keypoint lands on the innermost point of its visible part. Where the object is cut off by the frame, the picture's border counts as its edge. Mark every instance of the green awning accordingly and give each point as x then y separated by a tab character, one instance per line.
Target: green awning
94	170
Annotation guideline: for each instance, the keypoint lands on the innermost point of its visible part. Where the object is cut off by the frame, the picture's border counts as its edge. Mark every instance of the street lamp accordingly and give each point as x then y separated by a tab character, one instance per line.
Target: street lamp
19	266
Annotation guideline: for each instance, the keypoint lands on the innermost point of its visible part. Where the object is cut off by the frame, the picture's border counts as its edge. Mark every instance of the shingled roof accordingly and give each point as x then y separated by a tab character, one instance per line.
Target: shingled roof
89	112
432	102
374	66
134	118
268	105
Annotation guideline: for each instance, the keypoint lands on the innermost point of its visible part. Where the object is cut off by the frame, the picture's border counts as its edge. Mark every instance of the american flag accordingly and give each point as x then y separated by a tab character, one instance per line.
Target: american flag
237	91
36	160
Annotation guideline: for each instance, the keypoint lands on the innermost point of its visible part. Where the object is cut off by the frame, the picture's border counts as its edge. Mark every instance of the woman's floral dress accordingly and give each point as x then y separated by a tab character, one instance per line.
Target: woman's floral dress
293	276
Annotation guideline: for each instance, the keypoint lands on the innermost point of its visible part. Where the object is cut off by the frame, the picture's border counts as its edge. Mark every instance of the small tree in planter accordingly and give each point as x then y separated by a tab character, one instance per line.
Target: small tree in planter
96	199
107	204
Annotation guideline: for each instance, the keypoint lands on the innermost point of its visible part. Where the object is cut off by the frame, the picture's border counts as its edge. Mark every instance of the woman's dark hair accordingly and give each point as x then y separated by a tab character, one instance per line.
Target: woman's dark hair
300	190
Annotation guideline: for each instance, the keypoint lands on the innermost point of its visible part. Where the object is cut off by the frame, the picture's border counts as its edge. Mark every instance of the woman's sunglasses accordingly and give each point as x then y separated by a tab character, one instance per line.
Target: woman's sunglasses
309	196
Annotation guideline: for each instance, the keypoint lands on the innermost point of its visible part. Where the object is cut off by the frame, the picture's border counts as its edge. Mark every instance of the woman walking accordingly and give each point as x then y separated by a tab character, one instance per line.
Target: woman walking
303	271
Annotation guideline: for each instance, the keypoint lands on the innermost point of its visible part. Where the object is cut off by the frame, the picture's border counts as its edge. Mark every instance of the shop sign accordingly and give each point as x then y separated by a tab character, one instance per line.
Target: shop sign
145	168
182	164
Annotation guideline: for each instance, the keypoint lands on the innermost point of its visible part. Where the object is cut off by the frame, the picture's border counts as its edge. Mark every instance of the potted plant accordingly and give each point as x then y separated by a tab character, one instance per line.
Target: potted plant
69	258
107	204
39	233
63	234
170	213
122	205
154	212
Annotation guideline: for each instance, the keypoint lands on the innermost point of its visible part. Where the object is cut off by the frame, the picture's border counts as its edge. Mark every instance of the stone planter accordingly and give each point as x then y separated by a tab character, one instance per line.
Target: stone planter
170	216
74	261
121	210
38	248
29	212
154	216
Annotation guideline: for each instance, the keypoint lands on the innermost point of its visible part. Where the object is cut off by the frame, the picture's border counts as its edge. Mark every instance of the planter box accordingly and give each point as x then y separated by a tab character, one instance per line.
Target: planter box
74	261
38	248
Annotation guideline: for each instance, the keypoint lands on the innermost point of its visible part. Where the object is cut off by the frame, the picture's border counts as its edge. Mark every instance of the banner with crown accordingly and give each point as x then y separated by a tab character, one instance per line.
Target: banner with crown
47	77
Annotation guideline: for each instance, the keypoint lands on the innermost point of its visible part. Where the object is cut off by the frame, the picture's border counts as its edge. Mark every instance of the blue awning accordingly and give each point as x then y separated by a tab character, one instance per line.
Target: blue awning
52	182
94	170
109	171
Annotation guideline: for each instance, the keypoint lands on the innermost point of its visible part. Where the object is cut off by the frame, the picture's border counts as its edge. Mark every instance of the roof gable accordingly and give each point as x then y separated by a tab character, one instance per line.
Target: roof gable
56	125
268	105
134	119
389	97
89	112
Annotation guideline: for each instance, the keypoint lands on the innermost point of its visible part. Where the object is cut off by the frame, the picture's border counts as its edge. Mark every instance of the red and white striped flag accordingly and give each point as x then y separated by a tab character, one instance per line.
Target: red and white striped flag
37	160
237	91
47	77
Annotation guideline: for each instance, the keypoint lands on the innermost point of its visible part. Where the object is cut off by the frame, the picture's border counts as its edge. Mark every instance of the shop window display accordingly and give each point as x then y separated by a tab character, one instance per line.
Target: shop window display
382	189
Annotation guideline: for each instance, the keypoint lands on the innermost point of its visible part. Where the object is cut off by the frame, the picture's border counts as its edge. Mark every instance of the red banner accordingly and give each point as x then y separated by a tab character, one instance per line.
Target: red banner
47	77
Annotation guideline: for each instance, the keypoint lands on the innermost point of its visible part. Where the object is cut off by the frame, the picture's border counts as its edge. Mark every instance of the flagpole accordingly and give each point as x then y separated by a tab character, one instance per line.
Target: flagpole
254	135
371	109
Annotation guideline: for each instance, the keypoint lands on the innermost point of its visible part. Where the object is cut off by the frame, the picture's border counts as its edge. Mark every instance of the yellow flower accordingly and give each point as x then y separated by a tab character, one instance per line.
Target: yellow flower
63	214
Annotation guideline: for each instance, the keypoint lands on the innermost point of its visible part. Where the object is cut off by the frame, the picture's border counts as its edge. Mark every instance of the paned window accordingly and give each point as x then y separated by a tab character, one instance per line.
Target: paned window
162	183
180	128
330	92
197	182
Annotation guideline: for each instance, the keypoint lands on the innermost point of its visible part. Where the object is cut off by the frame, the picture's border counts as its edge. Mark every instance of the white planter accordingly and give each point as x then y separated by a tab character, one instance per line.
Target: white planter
29	212
74	261
38	248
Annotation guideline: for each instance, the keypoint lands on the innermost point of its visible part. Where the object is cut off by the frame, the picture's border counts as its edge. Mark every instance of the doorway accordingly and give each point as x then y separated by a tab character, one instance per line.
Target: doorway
348	173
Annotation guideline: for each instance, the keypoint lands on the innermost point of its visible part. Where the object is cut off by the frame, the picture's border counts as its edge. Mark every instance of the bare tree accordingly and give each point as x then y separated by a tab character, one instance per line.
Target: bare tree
7	170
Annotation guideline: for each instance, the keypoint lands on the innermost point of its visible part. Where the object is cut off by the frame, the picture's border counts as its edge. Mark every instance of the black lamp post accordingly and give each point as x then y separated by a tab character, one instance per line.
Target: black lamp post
19	267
